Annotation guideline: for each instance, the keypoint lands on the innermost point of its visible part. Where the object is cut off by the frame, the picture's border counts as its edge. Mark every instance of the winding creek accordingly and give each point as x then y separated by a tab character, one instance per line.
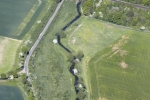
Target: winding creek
76	82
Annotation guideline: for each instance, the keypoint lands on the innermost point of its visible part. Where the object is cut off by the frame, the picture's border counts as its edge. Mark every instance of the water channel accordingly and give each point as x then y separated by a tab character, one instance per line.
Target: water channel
59	42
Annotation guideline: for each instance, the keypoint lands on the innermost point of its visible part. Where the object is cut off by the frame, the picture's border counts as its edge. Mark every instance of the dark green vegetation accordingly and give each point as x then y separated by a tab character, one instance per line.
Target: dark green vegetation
6	75
13	16
121	71
143	2
3	76
118	12
49	67
10	93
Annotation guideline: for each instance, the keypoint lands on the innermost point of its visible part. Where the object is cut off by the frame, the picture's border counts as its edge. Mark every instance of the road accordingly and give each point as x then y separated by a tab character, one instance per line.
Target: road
25	70
136	5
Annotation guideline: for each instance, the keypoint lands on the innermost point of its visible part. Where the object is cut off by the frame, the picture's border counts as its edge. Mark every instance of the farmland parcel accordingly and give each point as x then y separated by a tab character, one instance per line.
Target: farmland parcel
15	15
10	93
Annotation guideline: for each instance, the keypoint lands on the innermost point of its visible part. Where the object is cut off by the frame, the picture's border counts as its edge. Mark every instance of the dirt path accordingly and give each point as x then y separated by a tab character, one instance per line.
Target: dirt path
3	43
135	5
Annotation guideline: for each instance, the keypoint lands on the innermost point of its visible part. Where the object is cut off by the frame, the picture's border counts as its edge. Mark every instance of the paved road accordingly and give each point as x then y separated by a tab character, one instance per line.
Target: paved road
136	5
25	70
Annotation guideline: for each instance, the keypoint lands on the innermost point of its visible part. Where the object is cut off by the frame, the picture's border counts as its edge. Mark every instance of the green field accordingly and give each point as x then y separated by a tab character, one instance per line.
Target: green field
15	15
10	93
123	76
11	90
121	72
49	67
8	48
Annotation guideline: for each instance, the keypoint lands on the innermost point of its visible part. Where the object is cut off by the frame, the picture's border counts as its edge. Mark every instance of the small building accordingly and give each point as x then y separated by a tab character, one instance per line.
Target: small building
77	60
75	71
80	86
11	77
39	21
142	28
55	41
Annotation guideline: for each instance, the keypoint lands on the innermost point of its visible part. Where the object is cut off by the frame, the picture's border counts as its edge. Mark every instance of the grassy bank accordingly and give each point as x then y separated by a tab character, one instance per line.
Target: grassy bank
48	66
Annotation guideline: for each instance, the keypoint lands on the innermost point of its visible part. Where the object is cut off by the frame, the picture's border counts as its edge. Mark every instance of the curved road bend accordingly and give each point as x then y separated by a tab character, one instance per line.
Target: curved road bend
25	70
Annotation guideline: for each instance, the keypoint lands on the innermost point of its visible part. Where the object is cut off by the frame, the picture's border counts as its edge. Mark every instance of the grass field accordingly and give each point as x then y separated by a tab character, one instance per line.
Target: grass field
121	72
50	69
8	48
109	79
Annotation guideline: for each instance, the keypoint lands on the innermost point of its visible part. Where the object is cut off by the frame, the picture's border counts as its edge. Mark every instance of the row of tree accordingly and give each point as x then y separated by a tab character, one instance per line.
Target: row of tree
6	76
119	13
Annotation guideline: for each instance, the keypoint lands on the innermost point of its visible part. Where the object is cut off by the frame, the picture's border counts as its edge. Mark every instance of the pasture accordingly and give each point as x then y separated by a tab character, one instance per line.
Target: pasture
93	37
8	48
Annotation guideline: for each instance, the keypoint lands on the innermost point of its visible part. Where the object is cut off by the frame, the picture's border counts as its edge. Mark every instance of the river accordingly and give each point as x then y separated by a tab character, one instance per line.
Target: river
59	42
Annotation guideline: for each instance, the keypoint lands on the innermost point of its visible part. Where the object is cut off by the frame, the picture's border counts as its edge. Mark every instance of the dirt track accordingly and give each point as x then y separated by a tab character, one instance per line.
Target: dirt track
135	5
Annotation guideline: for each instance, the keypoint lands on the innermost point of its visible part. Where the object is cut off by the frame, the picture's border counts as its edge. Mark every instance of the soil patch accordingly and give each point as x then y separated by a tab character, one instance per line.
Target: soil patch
3	43
116	48
102	98
123	65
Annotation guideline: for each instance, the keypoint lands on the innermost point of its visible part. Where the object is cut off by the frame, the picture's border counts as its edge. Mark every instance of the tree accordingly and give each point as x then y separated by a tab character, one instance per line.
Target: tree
70	57
117	17
80	54
24	81
57	1
134	22
87	7
15	75
146	2
9	73
31	96
62	34
3	76
130	13
24	49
